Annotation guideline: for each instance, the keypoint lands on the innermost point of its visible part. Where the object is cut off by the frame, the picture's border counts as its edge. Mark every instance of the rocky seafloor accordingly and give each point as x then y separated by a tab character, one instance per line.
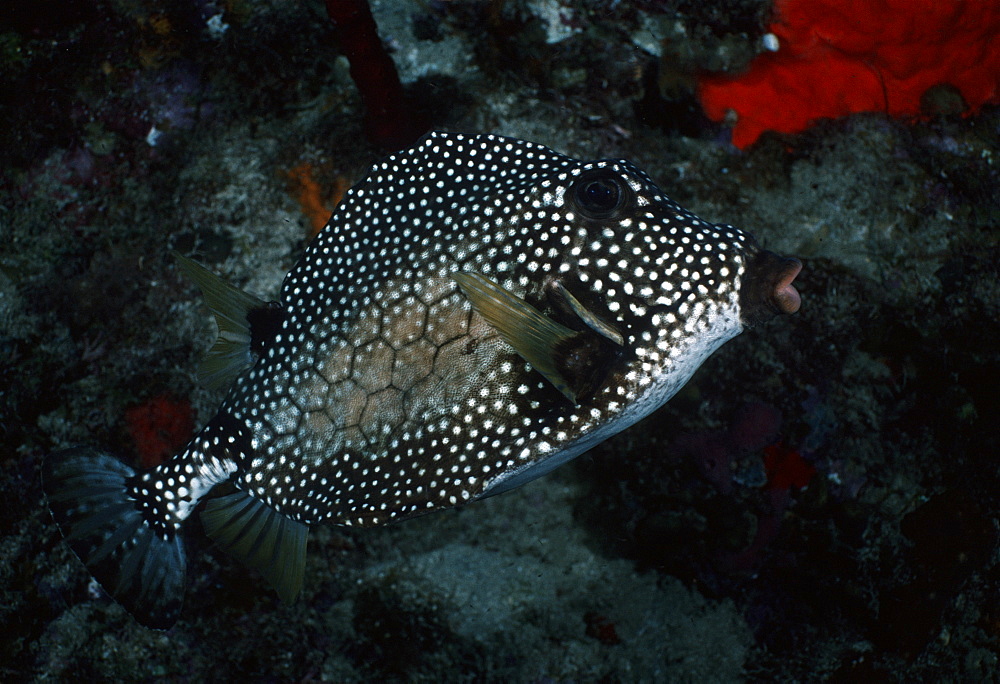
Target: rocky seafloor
819	503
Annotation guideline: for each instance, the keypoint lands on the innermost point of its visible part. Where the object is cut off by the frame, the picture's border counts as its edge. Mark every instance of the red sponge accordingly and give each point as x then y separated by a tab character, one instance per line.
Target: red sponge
160	426
837	57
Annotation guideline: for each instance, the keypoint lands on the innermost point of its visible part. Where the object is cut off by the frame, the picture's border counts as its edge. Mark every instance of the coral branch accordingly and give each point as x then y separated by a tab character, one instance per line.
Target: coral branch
390	120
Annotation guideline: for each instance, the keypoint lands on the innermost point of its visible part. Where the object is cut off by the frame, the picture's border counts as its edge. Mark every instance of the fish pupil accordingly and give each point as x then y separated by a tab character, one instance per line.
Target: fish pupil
599	196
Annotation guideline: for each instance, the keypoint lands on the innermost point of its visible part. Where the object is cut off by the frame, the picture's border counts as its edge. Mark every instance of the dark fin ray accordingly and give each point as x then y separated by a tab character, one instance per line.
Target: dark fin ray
139	563
88	492
87	526
260	537
231	306
116	538
133	562
536	337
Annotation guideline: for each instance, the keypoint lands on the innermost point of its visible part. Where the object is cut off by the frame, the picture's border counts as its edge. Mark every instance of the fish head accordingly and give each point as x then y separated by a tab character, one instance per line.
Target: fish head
662	288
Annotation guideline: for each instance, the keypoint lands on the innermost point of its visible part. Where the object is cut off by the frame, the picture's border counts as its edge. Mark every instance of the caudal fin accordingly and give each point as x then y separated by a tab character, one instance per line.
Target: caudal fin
138	562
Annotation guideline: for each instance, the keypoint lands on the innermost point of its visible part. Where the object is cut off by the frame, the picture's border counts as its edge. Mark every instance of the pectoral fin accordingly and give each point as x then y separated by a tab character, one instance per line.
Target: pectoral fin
541	341
592	321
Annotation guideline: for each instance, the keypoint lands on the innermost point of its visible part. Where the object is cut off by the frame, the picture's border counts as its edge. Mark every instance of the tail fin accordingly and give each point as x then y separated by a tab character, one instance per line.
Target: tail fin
137	561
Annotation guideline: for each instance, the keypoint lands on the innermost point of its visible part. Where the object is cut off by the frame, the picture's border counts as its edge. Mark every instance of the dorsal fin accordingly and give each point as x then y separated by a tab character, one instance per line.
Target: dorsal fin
260	537
230	355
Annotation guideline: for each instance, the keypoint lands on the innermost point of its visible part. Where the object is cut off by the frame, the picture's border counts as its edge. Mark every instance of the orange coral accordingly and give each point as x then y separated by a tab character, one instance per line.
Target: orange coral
159	42
311	197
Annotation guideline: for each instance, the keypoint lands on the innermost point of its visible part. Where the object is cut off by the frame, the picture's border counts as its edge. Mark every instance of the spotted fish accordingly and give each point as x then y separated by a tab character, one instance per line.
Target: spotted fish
478	311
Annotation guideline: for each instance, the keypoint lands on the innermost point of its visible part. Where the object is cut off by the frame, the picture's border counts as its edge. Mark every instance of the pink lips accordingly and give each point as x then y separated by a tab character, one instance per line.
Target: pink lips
785	296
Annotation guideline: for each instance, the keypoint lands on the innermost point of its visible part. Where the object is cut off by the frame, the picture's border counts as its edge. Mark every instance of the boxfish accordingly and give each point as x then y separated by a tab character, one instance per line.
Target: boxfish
478	311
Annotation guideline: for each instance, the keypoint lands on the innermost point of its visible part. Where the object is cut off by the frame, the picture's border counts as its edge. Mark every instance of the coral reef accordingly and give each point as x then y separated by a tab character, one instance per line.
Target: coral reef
160	426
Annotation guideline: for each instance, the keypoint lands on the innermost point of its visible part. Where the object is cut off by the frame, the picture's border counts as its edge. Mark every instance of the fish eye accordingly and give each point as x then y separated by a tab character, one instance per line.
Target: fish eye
599	194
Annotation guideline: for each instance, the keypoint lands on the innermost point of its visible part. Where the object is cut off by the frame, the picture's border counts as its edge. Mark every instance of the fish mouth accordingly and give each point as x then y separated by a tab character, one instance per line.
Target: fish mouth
784	297
767	288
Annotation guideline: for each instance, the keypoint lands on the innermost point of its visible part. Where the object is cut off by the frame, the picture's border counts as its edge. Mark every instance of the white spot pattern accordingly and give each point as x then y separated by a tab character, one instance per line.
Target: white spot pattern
384	395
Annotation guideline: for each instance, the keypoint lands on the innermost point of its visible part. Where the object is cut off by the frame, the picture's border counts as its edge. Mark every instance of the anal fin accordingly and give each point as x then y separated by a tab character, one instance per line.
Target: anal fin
260	537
